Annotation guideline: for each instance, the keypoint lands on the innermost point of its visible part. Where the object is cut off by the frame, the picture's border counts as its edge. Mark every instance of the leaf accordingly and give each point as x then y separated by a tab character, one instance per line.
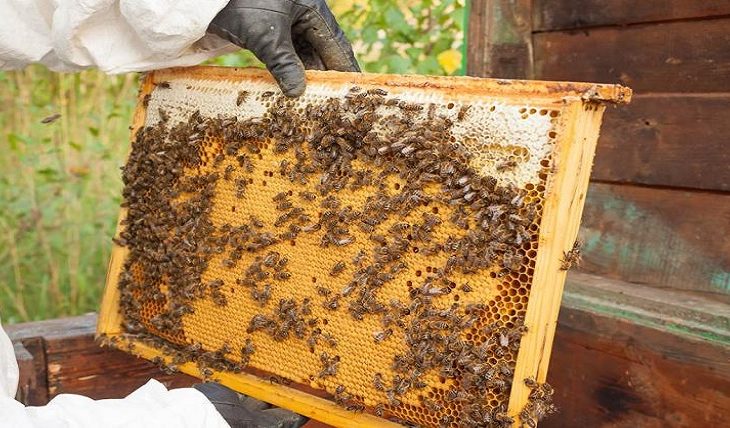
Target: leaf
398	64
94	131
395	19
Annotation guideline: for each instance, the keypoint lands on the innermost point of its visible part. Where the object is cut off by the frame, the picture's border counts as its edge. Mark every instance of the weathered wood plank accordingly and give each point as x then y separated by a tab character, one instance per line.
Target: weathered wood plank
662	237
33	384
500	39
686	56
609	372
77	365
569	14
677	141
684	313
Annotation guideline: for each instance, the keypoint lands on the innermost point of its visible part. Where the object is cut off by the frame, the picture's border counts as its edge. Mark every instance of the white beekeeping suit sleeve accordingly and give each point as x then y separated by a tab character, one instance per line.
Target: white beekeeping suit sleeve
115	36
151	406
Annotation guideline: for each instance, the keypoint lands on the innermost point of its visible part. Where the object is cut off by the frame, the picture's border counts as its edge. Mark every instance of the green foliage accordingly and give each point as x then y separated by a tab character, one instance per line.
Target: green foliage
59	188
60	184
406	37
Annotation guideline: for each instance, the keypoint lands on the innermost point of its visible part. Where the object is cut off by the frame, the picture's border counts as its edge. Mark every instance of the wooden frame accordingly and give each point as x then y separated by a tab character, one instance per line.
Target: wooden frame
565	194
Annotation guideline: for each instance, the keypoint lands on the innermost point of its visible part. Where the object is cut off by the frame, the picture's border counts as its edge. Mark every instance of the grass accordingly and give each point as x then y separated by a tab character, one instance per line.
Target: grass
59	188
60	184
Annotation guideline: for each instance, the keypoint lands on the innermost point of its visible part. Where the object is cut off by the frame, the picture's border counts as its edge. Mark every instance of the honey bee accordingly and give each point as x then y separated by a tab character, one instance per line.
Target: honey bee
379	410
332	304
163	85
504	166
380	336
572	257
337	268
329	365
378	382
242	96
307	196
463	112
267	94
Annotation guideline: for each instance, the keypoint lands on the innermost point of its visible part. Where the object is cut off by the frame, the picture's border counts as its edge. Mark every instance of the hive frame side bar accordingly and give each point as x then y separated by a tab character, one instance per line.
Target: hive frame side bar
558	231
110	317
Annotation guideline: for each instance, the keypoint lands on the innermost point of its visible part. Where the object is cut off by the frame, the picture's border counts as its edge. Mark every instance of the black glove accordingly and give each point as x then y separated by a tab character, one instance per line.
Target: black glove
287	35
241	411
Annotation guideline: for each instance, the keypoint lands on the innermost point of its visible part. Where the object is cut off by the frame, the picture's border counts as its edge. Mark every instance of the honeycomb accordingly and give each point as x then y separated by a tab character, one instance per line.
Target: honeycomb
374	245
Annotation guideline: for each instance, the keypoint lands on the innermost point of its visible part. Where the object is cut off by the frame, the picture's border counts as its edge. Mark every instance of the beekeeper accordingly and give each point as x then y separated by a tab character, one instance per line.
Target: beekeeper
118	36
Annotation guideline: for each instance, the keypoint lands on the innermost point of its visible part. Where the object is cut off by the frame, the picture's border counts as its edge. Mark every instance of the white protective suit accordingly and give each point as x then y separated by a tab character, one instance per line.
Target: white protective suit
115	36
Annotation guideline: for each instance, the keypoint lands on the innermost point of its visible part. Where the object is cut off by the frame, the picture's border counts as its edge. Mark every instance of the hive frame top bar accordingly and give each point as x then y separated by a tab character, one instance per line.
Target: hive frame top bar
535	89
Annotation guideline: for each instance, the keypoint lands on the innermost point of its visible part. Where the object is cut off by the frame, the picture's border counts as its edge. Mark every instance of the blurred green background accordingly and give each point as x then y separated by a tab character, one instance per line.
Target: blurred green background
60	182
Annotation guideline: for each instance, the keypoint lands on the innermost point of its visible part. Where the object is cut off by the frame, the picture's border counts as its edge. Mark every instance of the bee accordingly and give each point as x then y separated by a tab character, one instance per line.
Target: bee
262	296
379	410
331	341
281	196
323	291
271	259
378	382
377	91
504	166
410	107
242	96
355	406
337	268
330	202
256	222
329	365
228	172
163	85
245	162
145	100
359	257
380	336
241	185
307	196
282	276
332	304
248	349
431	405
463	112
267	94
466	288
340	389
572	257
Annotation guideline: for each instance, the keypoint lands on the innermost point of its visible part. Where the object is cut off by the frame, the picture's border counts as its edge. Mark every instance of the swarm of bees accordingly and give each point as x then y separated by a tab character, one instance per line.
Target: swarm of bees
172	240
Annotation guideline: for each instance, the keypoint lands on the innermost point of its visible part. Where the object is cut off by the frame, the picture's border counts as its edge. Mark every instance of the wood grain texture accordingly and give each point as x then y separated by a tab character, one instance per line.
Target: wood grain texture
33	384
666	140
662	237
564	201
569	14
686	56
609	372
499	39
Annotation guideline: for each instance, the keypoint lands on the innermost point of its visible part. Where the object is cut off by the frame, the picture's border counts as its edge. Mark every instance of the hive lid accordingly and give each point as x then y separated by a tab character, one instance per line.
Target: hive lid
408	230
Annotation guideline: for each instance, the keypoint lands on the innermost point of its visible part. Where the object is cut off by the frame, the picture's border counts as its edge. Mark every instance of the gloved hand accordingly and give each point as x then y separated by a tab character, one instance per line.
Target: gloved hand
241	411
287	35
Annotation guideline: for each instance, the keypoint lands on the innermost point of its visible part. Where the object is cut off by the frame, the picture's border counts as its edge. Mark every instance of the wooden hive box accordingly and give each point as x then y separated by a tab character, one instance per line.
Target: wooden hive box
383	249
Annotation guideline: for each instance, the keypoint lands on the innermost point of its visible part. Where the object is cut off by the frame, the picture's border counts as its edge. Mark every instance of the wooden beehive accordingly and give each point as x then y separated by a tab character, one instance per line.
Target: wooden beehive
401	230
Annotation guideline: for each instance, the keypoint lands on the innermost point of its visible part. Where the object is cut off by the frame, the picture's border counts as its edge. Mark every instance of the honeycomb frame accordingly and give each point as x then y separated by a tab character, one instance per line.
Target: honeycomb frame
578	110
